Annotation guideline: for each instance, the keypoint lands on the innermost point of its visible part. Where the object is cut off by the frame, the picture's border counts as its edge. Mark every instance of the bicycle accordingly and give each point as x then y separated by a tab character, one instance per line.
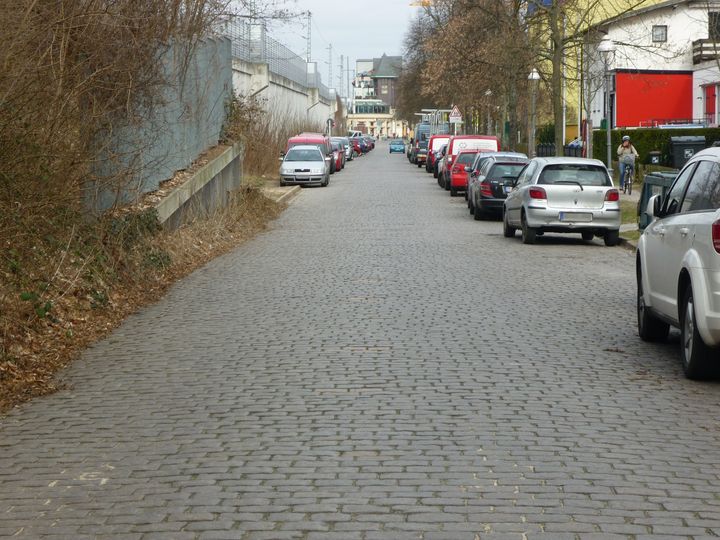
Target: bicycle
628	180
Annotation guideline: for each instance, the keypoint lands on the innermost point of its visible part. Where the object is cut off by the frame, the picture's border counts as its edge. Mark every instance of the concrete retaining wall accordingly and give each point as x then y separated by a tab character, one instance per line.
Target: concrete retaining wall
207	190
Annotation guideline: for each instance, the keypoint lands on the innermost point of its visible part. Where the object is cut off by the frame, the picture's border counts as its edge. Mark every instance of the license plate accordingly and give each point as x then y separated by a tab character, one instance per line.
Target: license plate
575	217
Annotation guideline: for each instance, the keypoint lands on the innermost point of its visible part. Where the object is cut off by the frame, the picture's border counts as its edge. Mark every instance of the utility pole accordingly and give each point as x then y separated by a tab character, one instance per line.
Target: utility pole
342	70
330	66
309	37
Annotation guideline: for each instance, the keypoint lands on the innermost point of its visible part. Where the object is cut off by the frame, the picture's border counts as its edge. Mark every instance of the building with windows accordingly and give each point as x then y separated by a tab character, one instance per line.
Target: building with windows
374	95
664	69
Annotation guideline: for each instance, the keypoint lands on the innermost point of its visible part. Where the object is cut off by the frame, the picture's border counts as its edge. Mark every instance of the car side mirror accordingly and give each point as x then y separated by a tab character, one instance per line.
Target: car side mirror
281	158
654	206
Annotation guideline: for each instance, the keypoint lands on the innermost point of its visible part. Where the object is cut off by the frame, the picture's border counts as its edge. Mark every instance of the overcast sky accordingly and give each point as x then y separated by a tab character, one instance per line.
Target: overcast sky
358	29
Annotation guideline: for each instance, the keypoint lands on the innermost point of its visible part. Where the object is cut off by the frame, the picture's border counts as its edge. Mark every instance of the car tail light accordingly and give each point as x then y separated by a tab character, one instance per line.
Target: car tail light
485	189
612	195
537	193
716	235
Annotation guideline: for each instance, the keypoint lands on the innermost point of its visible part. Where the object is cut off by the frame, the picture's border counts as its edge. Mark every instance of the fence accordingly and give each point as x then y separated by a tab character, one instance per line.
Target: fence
251	43
548	150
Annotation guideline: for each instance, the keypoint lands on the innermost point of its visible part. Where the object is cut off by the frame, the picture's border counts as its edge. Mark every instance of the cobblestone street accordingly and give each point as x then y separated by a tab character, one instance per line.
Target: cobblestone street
375	366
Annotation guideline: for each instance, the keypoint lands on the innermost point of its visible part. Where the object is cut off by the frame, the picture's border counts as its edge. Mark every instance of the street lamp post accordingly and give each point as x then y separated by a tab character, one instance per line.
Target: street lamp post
488	95
606	48
534	77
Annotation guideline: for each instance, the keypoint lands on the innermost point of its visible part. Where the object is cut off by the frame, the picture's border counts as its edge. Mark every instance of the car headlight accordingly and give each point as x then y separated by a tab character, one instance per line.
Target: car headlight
317	171
285	170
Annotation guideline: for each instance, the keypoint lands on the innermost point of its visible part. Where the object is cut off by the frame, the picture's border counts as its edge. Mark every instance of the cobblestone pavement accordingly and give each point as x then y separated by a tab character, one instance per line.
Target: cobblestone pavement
376	366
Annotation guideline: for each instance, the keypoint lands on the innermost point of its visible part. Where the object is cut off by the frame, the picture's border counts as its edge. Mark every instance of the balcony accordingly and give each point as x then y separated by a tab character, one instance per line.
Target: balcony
705	49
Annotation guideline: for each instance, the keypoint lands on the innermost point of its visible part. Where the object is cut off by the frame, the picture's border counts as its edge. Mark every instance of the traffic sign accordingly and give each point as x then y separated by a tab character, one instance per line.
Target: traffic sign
455	116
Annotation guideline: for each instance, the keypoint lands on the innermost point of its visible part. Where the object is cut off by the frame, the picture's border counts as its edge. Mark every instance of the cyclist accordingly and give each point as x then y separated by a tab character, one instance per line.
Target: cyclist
626	156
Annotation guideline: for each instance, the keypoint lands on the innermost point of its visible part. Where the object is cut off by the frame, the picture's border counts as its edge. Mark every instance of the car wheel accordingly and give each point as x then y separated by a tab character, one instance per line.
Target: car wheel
446	183
649	327
478	214
612	237
466	195
588	236
696	356
471	206
282	184
453	191
435	173
528	233
508	231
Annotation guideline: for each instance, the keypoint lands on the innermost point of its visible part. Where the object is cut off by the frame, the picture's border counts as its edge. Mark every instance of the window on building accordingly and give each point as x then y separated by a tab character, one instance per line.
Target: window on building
659	33
714	25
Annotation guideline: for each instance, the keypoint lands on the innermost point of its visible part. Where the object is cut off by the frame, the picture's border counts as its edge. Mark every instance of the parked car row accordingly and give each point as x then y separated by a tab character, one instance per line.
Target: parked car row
568	195
310	158
678	254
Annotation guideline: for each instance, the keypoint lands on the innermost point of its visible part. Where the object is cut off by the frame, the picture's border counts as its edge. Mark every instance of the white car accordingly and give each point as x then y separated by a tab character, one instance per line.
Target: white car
678	265
305	165
563	194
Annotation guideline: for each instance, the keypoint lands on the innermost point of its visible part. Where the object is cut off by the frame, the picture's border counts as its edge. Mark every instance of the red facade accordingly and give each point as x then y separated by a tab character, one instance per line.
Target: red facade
645	98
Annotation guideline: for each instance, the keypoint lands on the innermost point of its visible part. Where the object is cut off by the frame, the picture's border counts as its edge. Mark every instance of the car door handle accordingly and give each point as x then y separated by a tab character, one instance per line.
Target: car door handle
684	231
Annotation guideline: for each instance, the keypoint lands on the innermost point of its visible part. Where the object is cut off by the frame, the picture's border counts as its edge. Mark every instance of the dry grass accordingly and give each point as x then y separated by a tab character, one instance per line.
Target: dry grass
264	132
97	282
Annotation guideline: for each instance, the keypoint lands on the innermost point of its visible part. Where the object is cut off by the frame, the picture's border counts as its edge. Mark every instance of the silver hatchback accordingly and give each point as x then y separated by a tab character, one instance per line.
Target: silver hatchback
561	194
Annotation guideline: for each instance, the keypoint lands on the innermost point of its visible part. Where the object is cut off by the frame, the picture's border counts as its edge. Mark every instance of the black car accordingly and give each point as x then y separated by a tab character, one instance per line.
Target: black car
421	153
493	182
480	158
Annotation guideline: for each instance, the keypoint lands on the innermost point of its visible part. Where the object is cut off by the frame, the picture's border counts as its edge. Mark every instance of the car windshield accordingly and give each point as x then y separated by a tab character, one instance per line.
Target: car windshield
466	159
422	145
303	155
505	169
573	173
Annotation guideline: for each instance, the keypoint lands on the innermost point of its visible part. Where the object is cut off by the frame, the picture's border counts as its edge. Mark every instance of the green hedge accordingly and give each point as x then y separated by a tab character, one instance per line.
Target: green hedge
647	140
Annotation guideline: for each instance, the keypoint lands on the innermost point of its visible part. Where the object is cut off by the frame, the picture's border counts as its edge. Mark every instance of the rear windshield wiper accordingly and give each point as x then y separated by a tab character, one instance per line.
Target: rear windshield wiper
571	182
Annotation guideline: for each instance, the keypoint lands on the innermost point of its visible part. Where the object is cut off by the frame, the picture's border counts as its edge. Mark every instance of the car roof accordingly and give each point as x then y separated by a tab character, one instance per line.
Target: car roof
304	147
307	137
557	160
713	152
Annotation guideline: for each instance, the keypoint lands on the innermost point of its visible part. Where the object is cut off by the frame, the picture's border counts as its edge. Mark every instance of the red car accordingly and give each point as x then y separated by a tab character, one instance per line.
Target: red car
434	144
457	143
338	151
458	175
316	139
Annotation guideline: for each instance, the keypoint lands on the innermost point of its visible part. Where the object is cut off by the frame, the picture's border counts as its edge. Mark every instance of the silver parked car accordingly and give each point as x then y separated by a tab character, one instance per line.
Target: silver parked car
305	164
346	146
562	194
678	265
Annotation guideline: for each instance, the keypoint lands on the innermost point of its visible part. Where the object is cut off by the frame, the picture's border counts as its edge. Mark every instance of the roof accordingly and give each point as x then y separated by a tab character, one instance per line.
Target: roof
387	66
570	160
648	9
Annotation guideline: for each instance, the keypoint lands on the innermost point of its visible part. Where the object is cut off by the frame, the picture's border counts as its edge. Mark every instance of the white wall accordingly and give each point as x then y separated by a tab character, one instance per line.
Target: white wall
285	99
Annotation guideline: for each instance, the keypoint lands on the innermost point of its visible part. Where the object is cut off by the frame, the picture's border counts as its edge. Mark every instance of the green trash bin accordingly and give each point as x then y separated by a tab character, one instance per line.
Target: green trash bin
655	183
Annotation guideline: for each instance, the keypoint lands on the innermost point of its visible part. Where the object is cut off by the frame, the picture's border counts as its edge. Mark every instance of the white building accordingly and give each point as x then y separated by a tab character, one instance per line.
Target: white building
664	68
